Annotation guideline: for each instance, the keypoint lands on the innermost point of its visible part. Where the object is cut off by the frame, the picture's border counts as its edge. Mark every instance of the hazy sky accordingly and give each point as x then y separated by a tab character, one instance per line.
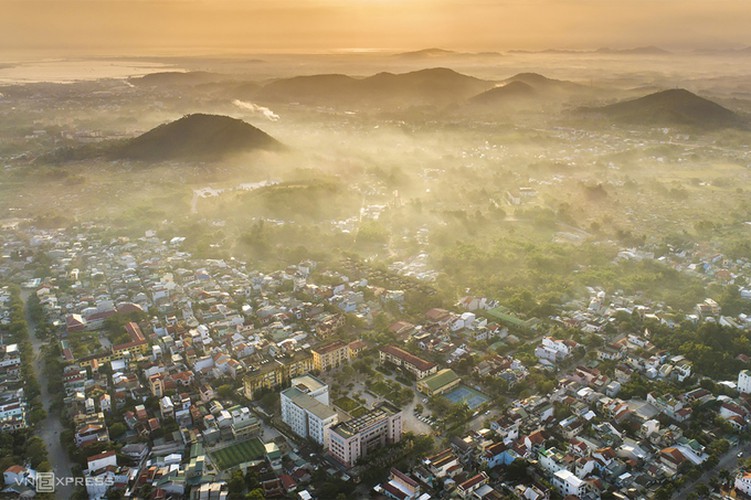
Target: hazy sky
210	26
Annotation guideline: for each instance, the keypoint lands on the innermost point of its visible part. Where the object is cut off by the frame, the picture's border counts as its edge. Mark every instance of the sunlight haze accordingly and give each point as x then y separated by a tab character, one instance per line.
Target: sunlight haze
178	26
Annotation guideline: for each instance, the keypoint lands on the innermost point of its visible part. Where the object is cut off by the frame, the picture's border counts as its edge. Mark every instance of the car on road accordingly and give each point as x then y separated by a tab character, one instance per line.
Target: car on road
740	454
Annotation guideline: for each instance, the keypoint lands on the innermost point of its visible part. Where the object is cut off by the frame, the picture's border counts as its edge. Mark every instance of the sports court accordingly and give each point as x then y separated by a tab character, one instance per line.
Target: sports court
464	394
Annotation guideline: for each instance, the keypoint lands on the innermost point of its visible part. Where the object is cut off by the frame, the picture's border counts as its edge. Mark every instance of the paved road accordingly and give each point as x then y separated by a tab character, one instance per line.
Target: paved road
728	461
51	427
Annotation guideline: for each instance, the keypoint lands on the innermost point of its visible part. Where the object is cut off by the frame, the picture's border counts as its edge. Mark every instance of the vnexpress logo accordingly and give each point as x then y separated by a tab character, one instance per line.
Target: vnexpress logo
45	482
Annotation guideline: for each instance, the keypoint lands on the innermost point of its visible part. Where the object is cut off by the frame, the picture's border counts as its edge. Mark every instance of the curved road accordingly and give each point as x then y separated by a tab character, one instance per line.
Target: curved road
51	427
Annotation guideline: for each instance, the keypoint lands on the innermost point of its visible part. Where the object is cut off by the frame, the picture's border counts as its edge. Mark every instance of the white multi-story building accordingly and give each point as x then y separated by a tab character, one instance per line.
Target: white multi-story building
351	440
9	356
744	382
305	408
554	350
12	411
567	483
743	483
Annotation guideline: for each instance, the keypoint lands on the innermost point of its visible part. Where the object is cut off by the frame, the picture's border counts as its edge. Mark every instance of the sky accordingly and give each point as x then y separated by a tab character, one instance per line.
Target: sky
154	27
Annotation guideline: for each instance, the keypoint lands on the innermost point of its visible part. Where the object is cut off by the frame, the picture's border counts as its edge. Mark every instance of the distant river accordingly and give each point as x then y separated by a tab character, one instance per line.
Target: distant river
67	71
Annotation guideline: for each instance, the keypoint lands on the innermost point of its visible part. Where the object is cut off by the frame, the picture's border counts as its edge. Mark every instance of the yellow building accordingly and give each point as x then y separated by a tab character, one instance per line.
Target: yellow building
330	355
276	372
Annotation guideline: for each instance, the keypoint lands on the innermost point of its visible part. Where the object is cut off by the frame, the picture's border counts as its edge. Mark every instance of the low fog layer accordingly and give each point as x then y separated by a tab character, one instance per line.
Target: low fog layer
527	173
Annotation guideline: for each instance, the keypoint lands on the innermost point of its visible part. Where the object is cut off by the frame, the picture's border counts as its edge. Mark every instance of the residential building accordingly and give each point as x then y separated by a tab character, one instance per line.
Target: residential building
400	486
102	460
443	464
567	483
742	483
466	488
744	382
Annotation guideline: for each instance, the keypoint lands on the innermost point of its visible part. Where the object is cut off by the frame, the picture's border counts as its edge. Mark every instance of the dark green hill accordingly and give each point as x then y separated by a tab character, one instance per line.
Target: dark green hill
311	89
671	108
543	83
506	94
196	136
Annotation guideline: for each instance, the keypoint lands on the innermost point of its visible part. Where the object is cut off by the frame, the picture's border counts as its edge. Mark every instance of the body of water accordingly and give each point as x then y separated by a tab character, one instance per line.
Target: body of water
67	71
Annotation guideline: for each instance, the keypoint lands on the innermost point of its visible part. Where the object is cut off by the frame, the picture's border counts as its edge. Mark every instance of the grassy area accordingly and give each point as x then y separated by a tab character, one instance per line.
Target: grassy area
358	412
84	343
347	404
236	454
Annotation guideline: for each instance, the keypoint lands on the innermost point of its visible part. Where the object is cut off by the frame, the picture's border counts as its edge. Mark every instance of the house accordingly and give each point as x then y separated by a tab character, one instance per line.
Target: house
443	464
400	486
466	488
567	483
19	476
402	330
671	459
555	350
744	382
102	460
507	427
439	316
497	454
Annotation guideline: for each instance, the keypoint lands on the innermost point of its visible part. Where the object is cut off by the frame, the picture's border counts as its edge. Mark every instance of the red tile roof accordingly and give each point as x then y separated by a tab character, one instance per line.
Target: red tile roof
407	357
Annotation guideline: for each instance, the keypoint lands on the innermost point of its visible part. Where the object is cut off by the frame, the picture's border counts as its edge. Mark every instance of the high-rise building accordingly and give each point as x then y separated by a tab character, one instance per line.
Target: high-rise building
351	440
305	408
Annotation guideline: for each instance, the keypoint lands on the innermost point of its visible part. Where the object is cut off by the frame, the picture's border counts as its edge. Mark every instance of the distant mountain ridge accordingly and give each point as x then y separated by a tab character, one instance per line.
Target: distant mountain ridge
435	53
178	78
667	108
647	50
650	49
425	53
433	86
196	136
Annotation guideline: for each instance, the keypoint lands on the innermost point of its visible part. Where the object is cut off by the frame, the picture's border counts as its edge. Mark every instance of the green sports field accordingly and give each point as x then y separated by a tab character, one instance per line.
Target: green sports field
236	454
